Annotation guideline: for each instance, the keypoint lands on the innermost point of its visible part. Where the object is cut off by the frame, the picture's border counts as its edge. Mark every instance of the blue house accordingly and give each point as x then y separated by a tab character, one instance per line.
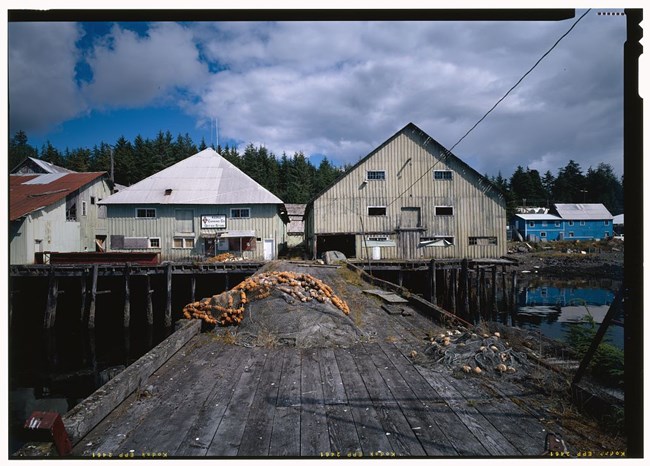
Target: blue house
566	222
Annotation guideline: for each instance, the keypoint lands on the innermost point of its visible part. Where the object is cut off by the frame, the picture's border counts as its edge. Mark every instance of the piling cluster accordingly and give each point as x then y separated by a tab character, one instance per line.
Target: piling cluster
228	308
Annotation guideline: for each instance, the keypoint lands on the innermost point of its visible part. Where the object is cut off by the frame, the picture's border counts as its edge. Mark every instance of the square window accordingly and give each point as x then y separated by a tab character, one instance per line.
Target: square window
570	223
376	211
582	223
154	242
243	212
376	175
542	234
531	224
145	213
571	235
444	210
442	174
606	222
558	224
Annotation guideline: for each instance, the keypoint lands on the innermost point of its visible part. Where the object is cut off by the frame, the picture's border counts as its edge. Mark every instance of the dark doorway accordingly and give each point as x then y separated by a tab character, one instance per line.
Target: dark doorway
342	243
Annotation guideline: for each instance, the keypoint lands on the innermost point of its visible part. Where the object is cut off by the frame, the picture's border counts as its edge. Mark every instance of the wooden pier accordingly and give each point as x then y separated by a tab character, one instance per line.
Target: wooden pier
375	398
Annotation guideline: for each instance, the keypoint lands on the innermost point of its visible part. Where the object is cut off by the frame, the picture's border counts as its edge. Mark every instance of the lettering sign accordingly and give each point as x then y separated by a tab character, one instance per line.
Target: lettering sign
213	221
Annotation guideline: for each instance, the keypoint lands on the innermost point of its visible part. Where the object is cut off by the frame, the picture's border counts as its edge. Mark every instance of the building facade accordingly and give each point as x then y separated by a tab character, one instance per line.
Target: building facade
197	208
56	212
566	222
409	199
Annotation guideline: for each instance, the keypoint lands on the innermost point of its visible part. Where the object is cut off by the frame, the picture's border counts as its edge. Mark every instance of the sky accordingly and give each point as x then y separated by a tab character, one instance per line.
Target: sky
335	89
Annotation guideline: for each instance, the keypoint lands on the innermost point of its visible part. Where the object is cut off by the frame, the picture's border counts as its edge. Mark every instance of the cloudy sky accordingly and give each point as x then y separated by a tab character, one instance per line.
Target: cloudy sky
328	88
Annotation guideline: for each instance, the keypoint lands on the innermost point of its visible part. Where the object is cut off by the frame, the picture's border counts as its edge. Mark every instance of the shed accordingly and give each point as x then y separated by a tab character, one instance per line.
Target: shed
56	212
199	207
410	198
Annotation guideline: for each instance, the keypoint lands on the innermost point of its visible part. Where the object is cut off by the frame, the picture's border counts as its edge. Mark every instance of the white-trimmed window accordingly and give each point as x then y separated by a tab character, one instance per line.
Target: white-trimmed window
444	210
582	223
606	222
145	213
376	238
544	224
154	243
542	234
84	208
240	212
570	223
482	240
558	224
183	243
375	175
376	211
442	175
531	224
571	235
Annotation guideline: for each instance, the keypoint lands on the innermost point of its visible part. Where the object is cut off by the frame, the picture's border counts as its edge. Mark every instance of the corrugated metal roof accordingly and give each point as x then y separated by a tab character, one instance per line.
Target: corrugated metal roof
204	178
39	166
296	209
538	217
25	196
583	212
619	219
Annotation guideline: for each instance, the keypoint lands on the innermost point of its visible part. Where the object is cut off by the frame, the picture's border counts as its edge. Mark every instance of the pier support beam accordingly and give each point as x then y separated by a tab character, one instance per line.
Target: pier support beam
504	288
513	296
84	295
149	302
493	305
168	304
432	276
127	298
464	283
93	297
192	288
52	296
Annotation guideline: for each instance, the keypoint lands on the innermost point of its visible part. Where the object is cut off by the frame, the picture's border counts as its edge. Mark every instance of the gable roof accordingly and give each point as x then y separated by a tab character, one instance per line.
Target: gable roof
423	139
538	217
28	193
583	212
204	178
33	165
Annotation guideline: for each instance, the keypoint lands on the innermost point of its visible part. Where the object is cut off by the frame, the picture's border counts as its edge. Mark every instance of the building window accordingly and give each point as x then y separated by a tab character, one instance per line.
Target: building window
571	235
531	224
544	224
582	223
377	238
71	213
442	174
444	210
145	213
376	211
606	222
92	200
376	175
570	223
437	240
84	208
154	243
101	211
542	234
607	234
240	213
558	224
482	240
184	221
184	243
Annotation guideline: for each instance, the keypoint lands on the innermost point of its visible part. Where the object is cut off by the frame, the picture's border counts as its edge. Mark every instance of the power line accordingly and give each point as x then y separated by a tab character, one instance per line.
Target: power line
448	151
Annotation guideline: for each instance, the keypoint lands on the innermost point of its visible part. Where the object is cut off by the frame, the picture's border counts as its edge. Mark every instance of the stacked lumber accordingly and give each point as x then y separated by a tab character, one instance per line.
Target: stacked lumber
228	308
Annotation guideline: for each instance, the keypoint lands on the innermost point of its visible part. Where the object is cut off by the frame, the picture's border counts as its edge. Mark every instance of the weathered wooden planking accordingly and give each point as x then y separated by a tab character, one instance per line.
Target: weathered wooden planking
371	434
107	436
209	364
257	434
387	296
462	439
495	443
424	426
228	436
209	416
314	436
285	437
398	430
342	431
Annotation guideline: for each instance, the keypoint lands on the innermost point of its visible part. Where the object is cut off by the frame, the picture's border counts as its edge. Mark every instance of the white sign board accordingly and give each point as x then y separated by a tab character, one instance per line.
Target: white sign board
213	221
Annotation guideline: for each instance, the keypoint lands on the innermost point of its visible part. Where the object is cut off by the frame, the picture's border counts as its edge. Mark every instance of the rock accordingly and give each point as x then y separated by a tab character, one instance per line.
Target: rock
332	257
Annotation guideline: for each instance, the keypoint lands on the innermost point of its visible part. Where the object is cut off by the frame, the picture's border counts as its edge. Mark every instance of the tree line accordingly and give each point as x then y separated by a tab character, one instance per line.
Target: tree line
294	179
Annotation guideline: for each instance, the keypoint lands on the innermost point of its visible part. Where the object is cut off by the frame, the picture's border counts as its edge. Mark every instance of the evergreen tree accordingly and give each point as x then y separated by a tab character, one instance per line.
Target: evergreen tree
603	187
569	184
548	181
51	154
19	149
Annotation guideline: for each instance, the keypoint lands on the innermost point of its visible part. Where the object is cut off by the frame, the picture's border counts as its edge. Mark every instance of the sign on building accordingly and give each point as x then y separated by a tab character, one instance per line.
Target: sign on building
213	221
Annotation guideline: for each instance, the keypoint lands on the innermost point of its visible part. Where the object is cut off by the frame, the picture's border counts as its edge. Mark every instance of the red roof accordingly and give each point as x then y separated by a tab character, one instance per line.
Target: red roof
26	198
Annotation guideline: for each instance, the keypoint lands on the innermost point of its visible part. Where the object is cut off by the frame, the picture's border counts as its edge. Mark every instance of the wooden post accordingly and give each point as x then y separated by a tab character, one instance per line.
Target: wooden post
227	281
493	306
400	277
504	288
84	294
149	291
434	291
464	277
52	295
513	296
477	285
193	288
93	297
483	298
452	289
127	298
12	292
168	306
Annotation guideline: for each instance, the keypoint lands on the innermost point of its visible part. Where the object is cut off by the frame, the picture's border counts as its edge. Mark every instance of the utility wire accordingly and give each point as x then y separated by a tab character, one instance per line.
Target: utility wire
447	152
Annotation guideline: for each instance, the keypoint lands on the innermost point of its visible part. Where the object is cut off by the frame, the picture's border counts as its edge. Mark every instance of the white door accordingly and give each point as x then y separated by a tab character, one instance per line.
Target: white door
268	249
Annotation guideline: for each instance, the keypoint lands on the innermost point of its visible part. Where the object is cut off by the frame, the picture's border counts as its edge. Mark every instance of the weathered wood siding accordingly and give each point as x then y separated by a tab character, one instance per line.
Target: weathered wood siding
265	221
409	162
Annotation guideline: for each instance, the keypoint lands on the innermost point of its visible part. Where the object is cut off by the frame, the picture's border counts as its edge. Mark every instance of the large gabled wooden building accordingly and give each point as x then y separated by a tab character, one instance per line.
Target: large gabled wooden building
409	199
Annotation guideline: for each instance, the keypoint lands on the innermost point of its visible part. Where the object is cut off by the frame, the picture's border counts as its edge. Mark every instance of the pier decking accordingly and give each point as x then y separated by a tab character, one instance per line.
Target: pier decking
375	398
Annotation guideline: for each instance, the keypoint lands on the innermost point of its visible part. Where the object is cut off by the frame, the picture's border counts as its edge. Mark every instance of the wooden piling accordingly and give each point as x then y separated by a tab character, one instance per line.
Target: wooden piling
493	305
84	295
127	298
93	297
464	280
149	303
452	289
52	295
192	288
434	291
400	277
483	293
504	288
513	295
168	305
